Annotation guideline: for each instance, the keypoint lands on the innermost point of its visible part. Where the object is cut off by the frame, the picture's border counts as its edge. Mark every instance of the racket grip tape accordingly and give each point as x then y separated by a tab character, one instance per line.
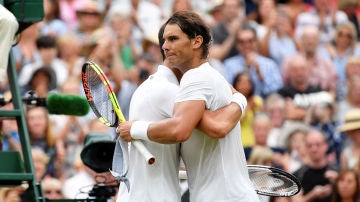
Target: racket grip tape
182	175
150	159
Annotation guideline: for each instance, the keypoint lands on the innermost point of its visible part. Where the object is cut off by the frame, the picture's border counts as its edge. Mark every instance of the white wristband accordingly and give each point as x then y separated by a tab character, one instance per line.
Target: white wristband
240	99
139	130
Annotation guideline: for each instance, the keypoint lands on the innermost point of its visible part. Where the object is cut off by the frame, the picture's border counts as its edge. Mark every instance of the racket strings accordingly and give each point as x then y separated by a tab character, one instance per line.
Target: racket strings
267	182
101	99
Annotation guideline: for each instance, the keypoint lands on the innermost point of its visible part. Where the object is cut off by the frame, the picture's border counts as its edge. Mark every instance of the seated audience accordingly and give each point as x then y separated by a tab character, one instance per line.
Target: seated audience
316	174
346	186
351	128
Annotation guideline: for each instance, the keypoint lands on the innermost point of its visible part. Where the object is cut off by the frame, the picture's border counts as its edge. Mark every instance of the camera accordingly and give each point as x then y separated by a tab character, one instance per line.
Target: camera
97	154
101	191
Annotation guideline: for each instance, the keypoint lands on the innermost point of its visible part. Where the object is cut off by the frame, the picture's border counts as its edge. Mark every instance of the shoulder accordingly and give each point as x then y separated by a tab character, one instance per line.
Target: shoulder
196	75
299	173
156	84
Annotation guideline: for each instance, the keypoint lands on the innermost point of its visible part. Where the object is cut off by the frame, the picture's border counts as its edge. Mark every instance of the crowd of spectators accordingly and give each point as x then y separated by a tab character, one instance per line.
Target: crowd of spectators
296	61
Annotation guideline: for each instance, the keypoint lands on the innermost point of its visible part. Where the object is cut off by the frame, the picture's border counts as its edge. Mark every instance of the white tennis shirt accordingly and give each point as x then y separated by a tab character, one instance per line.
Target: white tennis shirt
153	101
216	168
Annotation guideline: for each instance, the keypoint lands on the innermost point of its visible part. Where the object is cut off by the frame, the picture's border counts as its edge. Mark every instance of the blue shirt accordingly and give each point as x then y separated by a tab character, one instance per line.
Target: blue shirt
272	80
280	48
340	65
5	143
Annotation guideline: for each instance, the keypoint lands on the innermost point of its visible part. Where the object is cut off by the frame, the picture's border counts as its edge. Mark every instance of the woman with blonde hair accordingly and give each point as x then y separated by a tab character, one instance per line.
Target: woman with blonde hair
351	8
343	47
41	135
261	155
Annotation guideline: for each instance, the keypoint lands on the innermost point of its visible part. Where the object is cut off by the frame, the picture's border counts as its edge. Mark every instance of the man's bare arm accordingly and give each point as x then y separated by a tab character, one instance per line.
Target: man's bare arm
219	123
186	117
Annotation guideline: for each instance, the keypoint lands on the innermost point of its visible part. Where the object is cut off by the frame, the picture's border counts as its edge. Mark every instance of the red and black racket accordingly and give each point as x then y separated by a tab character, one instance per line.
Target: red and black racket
103	102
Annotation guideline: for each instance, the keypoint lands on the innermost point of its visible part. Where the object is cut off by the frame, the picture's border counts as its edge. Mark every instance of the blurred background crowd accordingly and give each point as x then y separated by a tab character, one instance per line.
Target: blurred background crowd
296	61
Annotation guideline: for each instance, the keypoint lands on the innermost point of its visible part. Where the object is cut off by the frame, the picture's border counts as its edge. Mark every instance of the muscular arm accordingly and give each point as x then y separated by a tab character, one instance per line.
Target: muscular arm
219	123
186	117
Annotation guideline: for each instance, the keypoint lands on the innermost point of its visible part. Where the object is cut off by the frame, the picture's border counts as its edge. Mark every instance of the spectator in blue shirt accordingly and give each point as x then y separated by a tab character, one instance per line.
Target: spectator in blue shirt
263	71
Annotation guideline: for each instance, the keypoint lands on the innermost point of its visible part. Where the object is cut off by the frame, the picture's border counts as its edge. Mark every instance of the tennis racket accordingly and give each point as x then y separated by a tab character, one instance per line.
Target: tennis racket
271	181
103	102
268	181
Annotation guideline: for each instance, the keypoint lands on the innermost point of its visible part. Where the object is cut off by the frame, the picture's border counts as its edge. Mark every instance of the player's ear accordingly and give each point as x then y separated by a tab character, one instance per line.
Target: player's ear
197	41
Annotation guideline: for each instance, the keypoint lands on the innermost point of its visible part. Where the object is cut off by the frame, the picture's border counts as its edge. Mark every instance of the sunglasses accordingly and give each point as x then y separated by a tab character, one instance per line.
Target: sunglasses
56	191
244	41
342	34
88	13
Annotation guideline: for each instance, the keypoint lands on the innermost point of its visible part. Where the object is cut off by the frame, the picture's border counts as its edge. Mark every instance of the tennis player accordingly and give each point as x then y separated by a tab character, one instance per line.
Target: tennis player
216	167
153	101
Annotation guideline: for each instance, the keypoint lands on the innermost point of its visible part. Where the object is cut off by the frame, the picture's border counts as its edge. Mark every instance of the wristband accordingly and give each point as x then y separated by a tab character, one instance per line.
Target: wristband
139	130
240	99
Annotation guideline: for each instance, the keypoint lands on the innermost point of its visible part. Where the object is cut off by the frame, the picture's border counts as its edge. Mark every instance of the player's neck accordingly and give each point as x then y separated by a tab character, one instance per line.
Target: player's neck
177	73
195	64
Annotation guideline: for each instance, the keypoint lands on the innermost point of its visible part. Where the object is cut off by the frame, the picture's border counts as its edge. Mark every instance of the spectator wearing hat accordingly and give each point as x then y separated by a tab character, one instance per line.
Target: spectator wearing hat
90	16
42	81
351	127
150	45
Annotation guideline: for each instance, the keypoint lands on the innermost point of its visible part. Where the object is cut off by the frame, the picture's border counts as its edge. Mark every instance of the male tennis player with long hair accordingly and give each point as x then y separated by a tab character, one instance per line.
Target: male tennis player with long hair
216	168
152	101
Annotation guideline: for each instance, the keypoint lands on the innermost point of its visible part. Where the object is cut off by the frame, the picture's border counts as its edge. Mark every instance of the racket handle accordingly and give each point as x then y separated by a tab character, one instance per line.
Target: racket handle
182	175
150	159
